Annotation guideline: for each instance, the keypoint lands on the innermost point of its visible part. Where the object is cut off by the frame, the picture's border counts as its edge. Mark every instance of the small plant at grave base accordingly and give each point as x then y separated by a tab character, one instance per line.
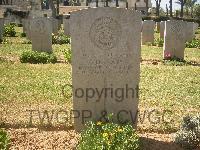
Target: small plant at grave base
4	140
23	34
175	62
3	41
35	57
195	43
159	42
9	30
189	134
108	136
60	39
68	55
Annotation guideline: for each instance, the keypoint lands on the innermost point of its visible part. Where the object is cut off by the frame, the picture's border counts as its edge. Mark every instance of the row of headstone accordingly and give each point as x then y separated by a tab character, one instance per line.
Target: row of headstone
175	34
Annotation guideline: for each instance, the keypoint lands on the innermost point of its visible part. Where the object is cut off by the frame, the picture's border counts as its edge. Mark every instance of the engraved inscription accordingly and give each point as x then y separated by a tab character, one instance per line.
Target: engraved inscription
177	30
39	26
105	33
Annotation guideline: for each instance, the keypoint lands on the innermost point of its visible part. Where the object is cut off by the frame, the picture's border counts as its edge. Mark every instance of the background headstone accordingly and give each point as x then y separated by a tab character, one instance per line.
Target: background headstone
195	28
162	29
106	47
66	24
174	39
41	34
26	27
1	28
158	26
189	31
148	31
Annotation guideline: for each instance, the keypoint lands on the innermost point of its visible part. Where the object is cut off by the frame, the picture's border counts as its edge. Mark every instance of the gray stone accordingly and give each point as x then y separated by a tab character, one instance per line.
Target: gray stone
106	49
26	27
148	31
41	34
55	25
195	28
162	29
174	39
189	31
1	28
66	24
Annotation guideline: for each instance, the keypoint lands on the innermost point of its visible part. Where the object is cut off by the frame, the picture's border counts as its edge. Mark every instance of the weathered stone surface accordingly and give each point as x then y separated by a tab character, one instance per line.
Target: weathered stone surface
41	30
174	39
148	31
189	31
162	29
106	49
26	27
195	27
55	25
66	24
1	28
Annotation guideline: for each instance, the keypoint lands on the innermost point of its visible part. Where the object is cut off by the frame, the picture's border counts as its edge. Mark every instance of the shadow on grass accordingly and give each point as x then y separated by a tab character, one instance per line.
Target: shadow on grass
170	62
41	127
152	144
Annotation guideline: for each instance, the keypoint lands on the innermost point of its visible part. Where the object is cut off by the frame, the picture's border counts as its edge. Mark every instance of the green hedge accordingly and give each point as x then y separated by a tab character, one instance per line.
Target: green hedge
4	140
35	57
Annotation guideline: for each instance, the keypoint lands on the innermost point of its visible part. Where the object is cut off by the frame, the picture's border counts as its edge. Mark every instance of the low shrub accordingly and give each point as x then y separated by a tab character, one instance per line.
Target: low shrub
9	30
159	42
68	55
4	140
35	57
189	134
23	34
195	43
108	136
60	39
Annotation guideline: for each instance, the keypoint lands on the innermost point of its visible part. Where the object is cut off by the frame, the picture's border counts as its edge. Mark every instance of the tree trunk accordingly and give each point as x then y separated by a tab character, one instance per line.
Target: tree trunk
170	7
181	15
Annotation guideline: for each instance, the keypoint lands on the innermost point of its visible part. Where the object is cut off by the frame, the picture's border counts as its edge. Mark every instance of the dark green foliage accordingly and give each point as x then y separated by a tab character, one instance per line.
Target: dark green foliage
35	57
159	42
4	140
195	43
60	39
23	34
108	136
9	30
189	134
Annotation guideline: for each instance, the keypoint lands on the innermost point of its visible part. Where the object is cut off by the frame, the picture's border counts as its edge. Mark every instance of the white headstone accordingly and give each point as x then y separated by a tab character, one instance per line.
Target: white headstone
189	31
162	29
1	28
66	24
148	31
41	34
174	39
106	49
55	25
26	27
195	28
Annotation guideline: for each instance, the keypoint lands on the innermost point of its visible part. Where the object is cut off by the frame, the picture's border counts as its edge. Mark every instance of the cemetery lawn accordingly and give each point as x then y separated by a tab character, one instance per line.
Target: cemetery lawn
171	86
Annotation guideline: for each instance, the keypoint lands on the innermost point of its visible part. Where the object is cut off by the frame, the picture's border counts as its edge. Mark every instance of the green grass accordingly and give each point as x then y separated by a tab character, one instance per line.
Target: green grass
175	88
